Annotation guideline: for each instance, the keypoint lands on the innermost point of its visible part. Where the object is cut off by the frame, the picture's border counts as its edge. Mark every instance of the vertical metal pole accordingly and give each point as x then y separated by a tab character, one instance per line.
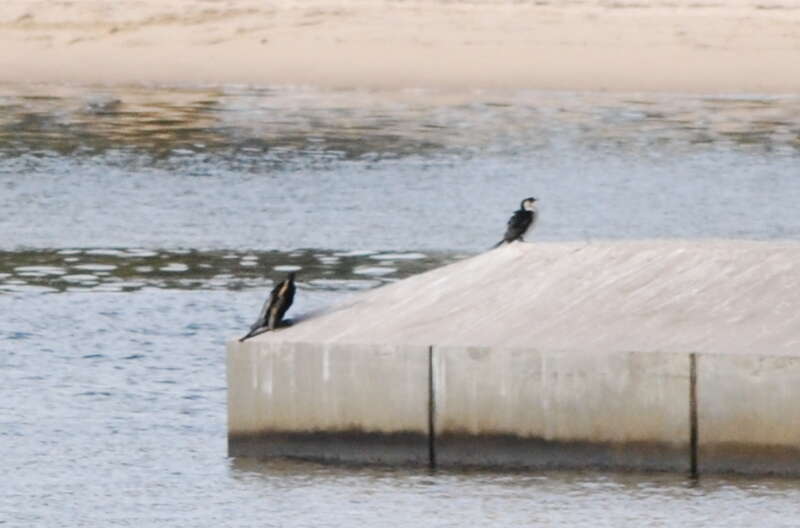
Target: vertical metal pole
431	412
693	425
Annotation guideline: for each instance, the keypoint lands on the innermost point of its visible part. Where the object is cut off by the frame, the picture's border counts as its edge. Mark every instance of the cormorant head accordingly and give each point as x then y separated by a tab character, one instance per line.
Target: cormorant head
528	204
291	276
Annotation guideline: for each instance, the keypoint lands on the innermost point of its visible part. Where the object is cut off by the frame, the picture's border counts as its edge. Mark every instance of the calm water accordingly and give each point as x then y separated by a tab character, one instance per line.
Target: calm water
287	169
141	227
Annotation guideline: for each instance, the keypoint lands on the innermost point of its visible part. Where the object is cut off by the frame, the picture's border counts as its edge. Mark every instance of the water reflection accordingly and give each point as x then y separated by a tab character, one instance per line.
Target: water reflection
547	498
263	128
130	269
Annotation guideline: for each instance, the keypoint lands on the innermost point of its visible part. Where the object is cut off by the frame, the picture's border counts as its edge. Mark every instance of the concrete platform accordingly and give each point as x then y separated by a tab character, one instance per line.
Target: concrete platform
659	355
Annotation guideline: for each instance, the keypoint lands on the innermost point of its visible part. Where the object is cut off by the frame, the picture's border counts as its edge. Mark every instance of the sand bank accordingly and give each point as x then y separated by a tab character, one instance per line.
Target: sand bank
682	45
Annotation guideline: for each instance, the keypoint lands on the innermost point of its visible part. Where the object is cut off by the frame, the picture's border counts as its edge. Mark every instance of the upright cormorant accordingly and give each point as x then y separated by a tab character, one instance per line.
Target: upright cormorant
275	307
521	221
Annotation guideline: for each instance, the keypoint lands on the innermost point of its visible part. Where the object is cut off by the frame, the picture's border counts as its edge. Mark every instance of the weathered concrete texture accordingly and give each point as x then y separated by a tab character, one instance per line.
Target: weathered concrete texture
749	414
527	368
329	402
677	296
527	408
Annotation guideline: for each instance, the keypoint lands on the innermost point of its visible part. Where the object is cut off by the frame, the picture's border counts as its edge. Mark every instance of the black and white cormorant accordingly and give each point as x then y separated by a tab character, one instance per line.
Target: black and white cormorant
275	307
521	221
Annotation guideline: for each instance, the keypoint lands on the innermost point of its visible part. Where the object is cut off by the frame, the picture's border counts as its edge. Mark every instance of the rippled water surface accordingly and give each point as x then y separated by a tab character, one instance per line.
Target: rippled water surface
141	227
264	169
108	270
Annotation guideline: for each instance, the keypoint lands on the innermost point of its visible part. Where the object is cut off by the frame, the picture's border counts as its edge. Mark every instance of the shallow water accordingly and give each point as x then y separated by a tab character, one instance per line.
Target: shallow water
141	228
431	171
130	269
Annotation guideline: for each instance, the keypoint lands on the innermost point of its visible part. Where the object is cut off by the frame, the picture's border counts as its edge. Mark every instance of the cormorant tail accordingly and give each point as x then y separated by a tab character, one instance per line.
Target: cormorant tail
253	333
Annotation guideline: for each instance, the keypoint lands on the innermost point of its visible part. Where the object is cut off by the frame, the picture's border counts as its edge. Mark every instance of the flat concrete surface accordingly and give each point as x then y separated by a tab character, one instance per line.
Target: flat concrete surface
723	297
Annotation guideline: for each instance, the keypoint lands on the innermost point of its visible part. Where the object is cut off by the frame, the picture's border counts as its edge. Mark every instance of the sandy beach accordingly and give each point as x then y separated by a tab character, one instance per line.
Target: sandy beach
644	45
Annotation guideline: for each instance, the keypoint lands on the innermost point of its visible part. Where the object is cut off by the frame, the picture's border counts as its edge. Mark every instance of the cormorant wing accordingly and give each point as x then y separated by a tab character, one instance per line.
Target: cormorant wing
285	301
282	298
518	224
261	321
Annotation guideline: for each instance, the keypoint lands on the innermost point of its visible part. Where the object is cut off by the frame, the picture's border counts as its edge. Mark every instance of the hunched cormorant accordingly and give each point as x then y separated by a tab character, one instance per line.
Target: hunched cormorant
275	307
521	221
